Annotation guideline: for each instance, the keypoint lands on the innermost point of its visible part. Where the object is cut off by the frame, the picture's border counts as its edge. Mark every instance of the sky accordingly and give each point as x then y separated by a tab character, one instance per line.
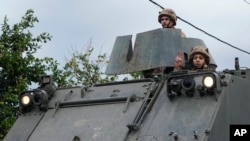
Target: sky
74	23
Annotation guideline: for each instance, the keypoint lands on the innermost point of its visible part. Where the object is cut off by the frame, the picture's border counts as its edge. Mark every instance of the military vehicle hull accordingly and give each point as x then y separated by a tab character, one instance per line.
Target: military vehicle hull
175	106
106	112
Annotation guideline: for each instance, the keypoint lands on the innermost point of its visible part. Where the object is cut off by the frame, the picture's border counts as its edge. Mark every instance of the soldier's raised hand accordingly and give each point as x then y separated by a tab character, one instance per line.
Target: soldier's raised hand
178	61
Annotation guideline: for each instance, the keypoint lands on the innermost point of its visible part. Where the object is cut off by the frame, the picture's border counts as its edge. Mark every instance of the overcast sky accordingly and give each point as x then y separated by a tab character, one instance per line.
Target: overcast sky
72	23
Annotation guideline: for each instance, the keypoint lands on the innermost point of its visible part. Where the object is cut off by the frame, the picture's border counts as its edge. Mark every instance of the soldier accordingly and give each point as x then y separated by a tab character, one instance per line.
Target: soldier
198	58
167	18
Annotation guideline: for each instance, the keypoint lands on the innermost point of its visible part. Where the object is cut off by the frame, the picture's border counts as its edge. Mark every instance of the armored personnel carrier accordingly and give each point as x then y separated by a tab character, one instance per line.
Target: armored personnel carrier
170	106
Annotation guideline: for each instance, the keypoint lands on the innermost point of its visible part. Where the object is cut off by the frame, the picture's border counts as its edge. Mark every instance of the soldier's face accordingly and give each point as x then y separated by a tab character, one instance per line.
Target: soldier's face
198	61
166	22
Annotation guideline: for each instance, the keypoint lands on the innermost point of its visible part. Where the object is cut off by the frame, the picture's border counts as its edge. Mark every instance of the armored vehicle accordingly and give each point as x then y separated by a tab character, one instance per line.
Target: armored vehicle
170	106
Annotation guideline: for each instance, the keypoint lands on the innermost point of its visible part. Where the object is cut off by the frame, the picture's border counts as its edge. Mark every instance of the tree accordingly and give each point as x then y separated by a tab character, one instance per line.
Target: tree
81	70
19	68
18	65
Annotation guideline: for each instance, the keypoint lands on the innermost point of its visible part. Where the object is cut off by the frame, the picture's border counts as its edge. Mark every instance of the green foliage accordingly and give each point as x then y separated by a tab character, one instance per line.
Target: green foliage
137	75
19	68
80	70
18	65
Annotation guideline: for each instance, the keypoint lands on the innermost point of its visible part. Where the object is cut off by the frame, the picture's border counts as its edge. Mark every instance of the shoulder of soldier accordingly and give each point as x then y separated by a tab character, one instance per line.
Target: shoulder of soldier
183	34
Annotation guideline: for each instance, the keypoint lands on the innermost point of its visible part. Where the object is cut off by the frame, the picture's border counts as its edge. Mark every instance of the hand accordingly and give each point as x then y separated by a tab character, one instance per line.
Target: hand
178	61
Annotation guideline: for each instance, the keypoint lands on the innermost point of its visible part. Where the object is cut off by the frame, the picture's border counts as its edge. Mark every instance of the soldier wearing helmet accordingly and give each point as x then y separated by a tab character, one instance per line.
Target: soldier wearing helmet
167	18
198	58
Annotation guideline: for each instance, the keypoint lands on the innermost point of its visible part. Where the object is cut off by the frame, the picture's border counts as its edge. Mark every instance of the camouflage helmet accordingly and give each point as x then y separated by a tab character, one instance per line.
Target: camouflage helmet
168	12
202	50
